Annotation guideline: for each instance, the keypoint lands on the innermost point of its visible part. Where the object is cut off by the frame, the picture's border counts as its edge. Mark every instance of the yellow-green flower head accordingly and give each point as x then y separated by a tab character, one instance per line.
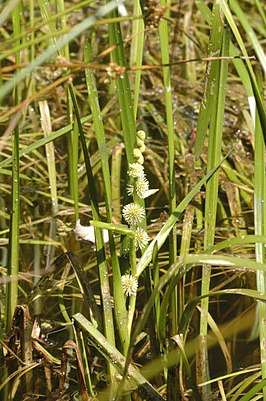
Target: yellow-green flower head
141	186
129	284
138	156
133	214
141	145
142	148
139	142
141	135
141	238
136	170
137	153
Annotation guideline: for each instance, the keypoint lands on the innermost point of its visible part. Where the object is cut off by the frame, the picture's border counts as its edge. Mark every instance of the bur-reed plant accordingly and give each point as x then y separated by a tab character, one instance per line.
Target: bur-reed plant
155	297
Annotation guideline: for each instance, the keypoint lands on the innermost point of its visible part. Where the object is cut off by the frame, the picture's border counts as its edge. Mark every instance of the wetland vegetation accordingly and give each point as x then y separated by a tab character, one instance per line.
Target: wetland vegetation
132	219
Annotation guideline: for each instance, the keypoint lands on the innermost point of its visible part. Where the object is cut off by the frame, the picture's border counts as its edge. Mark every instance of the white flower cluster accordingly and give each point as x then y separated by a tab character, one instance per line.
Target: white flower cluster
129	284
133	213
141	238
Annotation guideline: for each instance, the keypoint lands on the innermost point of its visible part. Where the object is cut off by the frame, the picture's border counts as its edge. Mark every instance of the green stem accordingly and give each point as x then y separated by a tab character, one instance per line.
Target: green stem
164	41
259	221
132	297
136	50
13	249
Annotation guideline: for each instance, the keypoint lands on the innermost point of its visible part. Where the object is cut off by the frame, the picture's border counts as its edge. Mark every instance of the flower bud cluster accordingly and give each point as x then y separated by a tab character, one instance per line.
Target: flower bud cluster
138	185
138	182
140	147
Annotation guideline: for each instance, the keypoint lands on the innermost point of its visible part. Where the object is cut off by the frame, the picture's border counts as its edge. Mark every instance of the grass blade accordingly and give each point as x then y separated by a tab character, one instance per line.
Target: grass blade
250	32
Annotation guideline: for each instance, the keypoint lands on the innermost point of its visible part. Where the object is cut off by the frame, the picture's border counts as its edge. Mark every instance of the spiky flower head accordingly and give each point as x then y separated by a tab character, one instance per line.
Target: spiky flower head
129	284
133	213
136	170
141	186
130	189
141	238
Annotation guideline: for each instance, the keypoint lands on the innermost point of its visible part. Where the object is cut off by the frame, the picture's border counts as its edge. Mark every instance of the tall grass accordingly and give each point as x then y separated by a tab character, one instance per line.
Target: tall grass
97	100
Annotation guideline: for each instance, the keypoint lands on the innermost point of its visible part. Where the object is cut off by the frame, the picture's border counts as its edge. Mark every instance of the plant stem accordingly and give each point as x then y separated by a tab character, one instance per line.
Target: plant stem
13	249
136	51
164	42
259	222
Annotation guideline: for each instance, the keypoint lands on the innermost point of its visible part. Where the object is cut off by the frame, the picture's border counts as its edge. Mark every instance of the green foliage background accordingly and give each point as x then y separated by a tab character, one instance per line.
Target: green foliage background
78	80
